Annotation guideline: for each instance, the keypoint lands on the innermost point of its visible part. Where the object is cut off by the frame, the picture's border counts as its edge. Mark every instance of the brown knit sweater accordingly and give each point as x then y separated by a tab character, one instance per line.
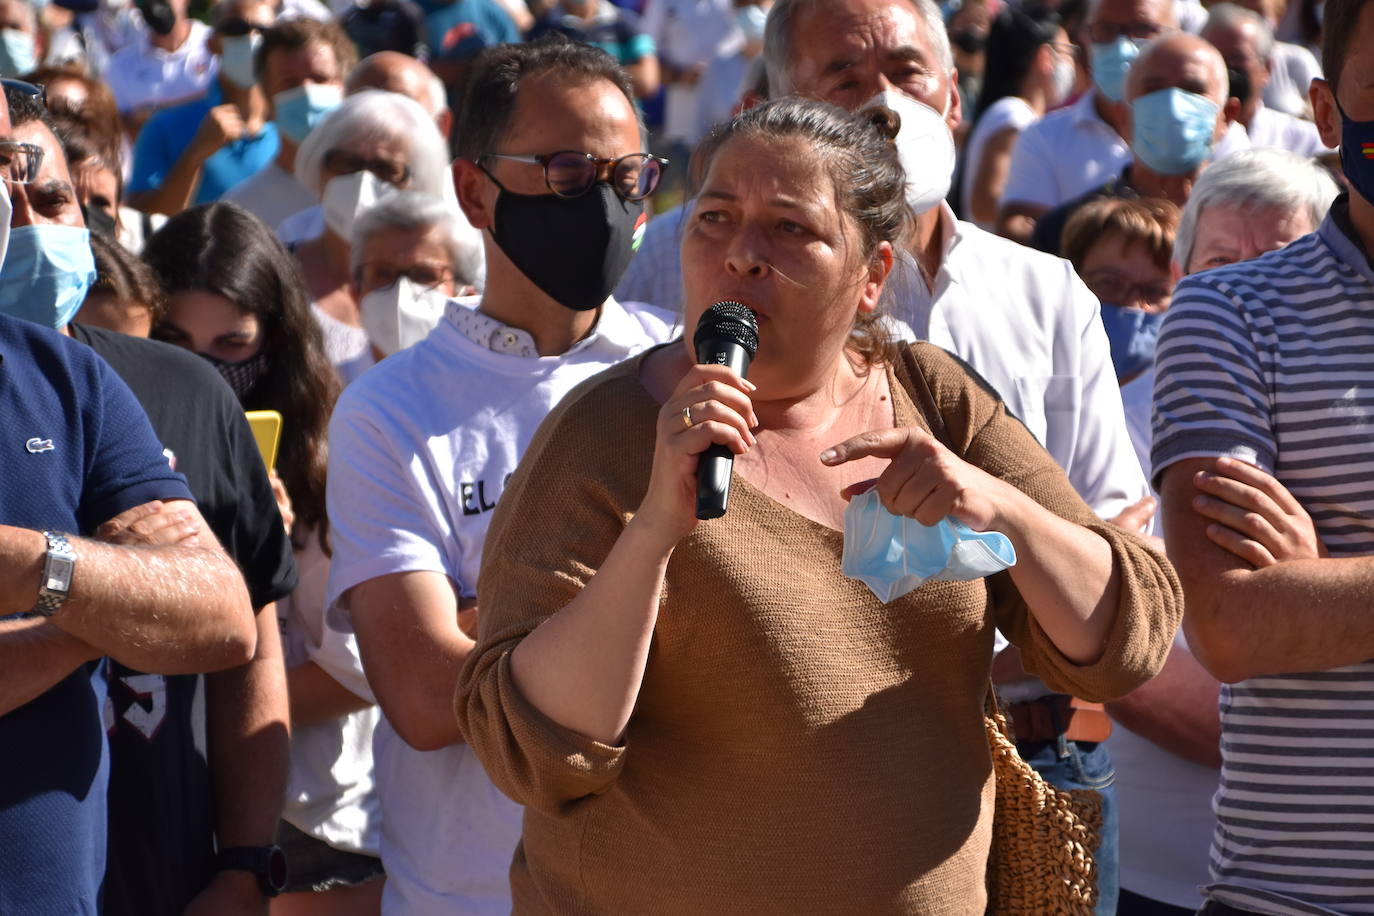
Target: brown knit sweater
797	746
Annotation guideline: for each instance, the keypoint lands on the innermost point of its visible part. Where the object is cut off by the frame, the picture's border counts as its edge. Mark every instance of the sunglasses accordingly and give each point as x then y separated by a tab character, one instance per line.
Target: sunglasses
234	28
346	163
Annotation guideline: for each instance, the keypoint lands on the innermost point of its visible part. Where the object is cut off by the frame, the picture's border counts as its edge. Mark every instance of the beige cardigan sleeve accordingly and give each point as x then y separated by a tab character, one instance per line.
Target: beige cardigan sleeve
1151	602
565	506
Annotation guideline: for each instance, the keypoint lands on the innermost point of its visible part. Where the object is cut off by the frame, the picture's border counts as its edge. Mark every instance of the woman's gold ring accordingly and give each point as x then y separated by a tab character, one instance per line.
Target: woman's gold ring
687	417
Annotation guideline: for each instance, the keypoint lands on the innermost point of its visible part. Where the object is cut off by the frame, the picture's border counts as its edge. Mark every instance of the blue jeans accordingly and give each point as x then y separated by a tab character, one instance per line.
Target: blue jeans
1073	765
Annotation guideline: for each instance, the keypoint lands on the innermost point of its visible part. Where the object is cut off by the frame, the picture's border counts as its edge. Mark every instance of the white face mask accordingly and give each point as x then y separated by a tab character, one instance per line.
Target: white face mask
236	59
925	147
1064	76
401	314
346	197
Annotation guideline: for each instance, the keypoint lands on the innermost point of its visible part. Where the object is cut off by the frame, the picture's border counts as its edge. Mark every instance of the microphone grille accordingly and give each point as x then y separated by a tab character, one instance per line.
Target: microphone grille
733	321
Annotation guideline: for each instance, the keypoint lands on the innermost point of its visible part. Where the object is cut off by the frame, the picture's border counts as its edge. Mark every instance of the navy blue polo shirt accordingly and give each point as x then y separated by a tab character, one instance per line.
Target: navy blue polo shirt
75	450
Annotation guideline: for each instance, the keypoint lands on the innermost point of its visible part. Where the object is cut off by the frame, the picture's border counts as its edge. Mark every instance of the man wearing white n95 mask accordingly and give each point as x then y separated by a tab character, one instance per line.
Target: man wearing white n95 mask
1020	318
411	253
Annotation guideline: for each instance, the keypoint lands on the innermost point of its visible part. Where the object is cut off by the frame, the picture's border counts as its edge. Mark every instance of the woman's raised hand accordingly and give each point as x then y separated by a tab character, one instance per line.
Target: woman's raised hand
709	406
925	480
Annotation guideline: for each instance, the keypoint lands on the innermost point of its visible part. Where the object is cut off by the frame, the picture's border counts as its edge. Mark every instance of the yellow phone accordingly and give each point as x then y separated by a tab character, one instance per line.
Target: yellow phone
266	426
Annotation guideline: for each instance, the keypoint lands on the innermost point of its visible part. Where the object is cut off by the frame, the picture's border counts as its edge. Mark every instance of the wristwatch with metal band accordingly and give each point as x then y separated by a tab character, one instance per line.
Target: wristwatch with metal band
58	566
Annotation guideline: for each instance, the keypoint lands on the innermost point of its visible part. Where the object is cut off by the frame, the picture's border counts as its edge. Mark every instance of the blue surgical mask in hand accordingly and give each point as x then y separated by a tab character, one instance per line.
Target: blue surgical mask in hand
893	554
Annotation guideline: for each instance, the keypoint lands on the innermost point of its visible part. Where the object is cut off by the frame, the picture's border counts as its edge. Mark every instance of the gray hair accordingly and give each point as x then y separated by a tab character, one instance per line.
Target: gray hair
1255	179
782	23
414	211
1231	16
376	115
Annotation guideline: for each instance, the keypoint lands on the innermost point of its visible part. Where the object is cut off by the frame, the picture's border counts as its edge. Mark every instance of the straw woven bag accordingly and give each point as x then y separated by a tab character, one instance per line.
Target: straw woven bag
1043	837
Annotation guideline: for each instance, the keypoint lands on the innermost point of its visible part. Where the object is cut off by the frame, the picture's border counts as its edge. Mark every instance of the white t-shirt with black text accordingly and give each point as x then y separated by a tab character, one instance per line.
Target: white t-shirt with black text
421	448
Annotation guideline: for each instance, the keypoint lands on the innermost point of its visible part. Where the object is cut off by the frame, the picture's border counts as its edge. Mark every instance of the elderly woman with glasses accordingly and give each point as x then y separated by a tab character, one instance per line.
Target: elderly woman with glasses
410	254
373	145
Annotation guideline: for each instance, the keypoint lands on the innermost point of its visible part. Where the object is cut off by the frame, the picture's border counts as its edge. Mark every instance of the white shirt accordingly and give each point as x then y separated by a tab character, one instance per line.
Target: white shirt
1030	327
687	33
1164	801
1275	128
1066	153
330	793
1010	111
272	194
420	449
303	226
345	345
143	76
1291	71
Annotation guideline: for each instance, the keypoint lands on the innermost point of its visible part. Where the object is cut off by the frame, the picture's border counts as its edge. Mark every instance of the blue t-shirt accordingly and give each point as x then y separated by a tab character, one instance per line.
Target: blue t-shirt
169	132
459	30
75	450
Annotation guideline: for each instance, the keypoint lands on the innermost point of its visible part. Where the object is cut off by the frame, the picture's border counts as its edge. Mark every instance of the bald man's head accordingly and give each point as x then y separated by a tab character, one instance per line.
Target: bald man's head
1178	60
392	71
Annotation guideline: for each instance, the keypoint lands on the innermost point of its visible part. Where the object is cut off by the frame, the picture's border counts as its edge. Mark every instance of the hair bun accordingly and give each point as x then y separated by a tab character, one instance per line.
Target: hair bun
885	119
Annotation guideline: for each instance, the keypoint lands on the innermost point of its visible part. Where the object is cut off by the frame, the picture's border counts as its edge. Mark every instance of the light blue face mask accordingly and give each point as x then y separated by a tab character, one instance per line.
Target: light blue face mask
47	272
1172	130
1111	61
17	55
300	109
1133	335
892	554
751	20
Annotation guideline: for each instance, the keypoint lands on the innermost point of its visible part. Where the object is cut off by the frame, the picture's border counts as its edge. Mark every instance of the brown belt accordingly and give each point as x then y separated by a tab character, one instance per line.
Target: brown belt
1048	717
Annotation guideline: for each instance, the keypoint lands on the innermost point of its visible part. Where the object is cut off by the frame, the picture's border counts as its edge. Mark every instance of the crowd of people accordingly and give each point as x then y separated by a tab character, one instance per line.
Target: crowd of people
1084	284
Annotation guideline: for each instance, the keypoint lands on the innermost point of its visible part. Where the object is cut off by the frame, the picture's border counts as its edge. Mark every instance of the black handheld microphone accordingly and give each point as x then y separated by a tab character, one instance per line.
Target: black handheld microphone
727	335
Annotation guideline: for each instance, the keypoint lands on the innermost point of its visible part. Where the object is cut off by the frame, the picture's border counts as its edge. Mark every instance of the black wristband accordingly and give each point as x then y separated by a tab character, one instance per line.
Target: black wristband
266	863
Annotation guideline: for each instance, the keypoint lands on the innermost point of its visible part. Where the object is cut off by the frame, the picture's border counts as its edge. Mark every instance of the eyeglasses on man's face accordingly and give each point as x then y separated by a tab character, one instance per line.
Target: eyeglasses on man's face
20	162
343	162
569	173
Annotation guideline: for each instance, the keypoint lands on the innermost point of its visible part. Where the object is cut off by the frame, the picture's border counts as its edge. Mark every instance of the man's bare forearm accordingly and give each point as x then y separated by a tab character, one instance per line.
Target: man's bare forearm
1176	711
164	610
250	741
1302	615
34	657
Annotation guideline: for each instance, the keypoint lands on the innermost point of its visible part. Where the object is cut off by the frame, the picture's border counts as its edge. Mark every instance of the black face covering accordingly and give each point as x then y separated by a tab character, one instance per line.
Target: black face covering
158	14
574	249
241	376
1239	84
99	222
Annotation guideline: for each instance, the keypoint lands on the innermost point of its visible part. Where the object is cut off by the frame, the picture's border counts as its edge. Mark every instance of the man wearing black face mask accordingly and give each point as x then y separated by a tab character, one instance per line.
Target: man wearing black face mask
1265	364
553	172
170	62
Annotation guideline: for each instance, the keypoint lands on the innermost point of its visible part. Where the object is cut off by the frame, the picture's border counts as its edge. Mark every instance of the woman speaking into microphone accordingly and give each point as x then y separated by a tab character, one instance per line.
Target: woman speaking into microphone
710	716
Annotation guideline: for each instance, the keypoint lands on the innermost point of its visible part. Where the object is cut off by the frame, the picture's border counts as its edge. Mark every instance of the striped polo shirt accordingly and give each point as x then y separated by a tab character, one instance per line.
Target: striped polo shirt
1272	361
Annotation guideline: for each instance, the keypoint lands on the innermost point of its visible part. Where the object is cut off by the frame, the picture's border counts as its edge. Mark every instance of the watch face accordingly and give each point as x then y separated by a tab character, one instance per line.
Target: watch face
276	868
